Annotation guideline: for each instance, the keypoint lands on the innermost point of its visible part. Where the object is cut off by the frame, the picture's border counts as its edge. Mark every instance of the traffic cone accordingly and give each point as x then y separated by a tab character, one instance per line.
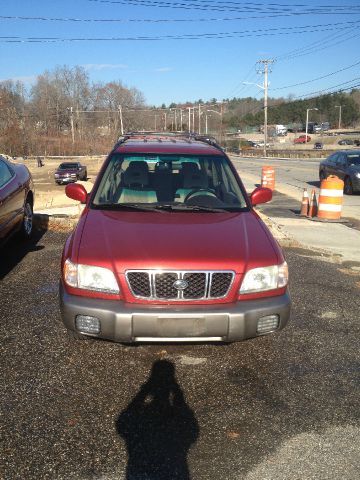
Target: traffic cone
313	207
304	204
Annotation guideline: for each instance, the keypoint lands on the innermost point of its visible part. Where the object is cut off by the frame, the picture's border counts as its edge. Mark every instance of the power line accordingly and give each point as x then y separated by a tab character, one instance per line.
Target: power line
319	92
325	43
318	78
173	20
209	5
238	34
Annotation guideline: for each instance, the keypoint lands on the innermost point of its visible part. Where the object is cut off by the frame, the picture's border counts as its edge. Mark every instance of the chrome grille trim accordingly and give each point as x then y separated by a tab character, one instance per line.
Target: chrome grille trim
180	276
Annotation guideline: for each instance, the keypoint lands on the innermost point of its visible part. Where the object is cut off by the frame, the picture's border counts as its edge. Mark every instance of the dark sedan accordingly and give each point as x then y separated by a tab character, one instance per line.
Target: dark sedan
346	141
69	172
345	165
16	200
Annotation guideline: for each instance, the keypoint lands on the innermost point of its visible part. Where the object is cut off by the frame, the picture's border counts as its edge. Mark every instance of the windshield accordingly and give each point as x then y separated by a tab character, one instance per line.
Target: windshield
159	181
68	166
354	159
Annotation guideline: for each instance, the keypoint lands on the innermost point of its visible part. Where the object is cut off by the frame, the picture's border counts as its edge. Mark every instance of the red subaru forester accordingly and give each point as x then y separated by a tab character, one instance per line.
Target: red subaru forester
170	249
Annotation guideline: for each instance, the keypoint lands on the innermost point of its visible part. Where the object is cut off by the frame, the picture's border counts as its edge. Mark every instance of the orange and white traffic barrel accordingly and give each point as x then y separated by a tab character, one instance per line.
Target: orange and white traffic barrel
331	198
268	177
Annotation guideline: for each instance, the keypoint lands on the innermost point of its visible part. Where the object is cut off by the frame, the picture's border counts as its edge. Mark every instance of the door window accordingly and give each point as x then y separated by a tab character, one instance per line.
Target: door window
5	173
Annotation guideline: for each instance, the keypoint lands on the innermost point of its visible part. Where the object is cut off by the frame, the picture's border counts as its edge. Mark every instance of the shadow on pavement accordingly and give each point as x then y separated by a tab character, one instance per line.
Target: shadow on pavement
314	183
13	252
158	428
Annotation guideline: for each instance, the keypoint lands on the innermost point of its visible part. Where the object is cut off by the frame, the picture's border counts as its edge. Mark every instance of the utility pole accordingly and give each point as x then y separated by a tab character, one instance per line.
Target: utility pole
339	107
72	125
165	115
189	108
121	120
264	69
193	118
221	123
307	122
181	120
199	119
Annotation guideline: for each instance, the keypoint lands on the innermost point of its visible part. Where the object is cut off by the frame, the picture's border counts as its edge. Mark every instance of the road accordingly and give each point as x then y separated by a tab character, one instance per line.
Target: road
285	406
292	176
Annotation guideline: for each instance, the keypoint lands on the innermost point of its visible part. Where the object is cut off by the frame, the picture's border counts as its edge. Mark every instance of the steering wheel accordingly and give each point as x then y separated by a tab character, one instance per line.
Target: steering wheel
208	191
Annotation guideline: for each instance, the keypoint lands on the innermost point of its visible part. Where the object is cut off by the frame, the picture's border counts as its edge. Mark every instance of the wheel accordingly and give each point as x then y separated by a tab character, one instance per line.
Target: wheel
322	176
199	190
348	188
84	178
27	223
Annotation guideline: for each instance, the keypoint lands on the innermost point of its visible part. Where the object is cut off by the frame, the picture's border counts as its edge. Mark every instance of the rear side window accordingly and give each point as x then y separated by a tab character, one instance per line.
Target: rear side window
5	173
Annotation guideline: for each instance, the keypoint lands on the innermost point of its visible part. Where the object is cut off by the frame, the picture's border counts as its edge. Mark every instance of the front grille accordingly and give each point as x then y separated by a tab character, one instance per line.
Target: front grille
194	285
164	285
220	282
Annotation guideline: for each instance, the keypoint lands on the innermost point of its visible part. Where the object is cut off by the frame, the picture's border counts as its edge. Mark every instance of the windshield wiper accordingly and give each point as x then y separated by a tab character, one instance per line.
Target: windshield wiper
131	206
191	208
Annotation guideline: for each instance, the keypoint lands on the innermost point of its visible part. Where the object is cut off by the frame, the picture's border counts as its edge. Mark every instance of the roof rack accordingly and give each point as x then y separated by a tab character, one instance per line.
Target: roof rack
172	136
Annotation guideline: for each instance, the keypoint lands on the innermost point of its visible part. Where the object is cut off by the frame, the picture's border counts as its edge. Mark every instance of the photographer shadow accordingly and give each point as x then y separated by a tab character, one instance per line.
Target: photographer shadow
159	428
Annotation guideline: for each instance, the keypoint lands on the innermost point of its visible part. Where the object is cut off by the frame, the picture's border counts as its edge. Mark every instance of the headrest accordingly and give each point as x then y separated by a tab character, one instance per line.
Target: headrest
137	173
193	176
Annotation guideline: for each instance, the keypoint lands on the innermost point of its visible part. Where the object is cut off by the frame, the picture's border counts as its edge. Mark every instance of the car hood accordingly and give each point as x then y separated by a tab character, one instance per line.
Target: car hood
175	240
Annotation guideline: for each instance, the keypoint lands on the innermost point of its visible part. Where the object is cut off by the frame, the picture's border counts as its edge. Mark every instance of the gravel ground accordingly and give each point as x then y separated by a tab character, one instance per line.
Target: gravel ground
285	406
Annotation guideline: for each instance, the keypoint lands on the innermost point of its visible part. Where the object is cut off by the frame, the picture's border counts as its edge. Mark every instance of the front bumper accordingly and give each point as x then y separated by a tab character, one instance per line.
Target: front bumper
65	179
128	322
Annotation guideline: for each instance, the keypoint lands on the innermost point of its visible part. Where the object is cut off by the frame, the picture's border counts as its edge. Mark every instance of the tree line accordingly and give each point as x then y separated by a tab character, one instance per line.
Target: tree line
63	113
249	112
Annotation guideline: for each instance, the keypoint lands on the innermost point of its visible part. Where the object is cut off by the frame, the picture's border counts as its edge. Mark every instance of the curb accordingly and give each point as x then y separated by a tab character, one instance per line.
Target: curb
57	223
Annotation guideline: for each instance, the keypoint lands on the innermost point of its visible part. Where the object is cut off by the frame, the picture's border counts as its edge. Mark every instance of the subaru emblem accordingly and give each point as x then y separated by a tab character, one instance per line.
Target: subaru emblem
180	284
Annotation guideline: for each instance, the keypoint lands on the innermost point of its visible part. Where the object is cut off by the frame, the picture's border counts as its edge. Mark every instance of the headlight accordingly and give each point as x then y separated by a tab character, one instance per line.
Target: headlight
56	174
357	174
89	277
265	278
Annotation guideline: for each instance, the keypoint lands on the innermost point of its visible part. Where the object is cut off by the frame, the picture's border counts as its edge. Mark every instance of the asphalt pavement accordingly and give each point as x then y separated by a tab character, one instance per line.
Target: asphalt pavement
284	406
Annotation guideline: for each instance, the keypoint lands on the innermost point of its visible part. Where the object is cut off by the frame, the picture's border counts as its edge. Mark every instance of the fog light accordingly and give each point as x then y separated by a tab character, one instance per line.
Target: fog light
268	324
86	324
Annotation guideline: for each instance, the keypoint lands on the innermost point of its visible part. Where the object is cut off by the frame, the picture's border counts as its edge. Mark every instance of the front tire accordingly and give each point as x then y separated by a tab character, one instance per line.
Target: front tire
27	223
348	188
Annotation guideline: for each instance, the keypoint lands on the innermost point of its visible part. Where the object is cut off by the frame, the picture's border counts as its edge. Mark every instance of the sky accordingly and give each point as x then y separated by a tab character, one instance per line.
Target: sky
184	50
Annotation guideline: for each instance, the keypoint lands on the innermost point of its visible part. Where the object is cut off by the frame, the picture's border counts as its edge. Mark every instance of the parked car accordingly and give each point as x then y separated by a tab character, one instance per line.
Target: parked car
357	143
16	200
346	141
345	165
68	172
318	146
171	250
302	139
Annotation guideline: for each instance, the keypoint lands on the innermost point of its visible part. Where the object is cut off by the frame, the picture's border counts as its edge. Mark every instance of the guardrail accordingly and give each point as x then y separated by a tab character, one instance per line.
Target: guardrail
313	153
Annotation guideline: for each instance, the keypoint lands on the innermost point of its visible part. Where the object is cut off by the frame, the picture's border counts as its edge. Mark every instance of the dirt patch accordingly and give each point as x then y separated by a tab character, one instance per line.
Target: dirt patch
55	223
47	193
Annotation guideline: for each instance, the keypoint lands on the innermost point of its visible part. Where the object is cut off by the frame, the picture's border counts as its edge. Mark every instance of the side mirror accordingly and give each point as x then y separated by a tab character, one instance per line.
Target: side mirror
76	192
260	195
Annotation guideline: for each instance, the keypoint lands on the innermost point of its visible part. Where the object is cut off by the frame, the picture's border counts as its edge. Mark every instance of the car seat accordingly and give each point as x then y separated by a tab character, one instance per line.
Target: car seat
135	184
192	179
